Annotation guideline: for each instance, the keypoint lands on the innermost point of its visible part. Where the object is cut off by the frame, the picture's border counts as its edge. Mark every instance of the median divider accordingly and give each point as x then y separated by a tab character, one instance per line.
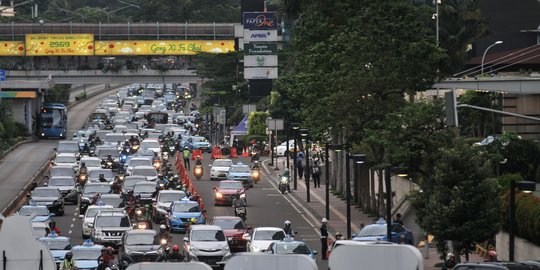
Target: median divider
186	180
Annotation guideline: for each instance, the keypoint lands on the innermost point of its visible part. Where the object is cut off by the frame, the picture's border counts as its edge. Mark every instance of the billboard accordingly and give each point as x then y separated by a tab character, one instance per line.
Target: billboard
163	47
260	48
260	73
260	35
12	48
59	44
260	20
260	60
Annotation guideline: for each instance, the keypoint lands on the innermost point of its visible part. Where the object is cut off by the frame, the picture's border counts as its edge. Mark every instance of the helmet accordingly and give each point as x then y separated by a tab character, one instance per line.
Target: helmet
450	255
193	220
492	253
237	195
185	148
69	255
324	220
83	164
101	175
256	162
287	222
198	157
286	170
162	227
175	248
110	250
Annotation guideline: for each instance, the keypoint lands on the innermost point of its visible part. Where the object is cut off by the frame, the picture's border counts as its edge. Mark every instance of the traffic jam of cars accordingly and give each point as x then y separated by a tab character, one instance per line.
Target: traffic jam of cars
121	175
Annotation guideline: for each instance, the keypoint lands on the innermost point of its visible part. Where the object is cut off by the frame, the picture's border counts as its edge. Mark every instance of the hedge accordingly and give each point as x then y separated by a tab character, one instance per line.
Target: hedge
527	216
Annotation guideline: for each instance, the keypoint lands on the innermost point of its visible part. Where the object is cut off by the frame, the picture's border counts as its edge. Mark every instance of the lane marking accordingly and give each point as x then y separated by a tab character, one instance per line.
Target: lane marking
273	194
69	232
73	219
75	214
76	208
71	226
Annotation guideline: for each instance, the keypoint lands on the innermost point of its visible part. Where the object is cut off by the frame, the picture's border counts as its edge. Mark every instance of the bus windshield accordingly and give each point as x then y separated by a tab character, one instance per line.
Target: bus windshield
52	118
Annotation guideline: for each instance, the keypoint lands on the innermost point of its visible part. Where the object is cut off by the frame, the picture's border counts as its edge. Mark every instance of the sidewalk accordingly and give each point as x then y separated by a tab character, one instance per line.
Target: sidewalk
338	209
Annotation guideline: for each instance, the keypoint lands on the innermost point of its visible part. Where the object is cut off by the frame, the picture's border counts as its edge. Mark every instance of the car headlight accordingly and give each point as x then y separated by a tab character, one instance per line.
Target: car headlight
219	195
193	249
255	248
229	238
225	249
174	218
129	251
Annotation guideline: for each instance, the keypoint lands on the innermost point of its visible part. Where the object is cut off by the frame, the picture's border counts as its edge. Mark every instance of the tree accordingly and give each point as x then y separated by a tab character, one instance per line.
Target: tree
464	204
478	123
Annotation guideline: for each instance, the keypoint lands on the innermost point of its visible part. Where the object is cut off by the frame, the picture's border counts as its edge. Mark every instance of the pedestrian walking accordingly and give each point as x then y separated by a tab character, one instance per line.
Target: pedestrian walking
300	164
398	219
186	155
316	174
324	239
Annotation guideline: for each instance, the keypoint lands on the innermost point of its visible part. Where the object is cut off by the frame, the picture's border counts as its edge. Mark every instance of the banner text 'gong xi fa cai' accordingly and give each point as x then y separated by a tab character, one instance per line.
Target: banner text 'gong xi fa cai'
162	47
59	44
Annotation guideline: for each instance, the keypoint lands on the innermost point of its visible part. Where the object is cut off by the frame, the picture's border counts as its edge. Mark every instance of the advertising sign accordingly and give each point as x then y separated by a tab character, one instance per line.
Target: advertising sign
260	60
163	47
260	20
11	48
260	48
260	35
59	44
261	73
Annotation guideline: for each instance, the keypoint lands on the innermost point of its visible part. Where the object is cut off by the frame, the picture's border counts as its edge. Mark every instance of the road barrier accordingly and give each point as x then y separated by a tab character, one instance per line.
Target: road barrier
195	153
233	153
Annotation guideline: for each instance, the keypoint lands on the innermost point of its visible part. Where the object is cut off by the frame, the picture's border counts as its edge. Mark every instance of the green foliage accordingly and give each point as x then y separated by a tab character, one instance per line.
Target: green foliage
463	204
527	215
504	181
478	123
257	123
516	155
58	94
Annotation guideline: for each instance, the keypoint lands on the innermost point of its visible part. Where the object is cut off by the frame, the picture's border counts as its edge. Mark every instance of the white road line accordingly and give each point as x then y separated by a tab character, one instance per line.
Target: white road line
69	232
71	226
273	194
73	219
75	214
297	204
76	208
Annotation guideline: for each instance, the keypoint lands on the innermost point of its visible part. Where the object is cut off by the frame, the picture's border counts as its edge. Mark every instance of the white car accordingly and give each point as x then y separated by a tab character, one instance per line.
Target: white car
149	171
137	161
88	218
151	144
220	169
90	163
65	159
262	237
163	202
282	148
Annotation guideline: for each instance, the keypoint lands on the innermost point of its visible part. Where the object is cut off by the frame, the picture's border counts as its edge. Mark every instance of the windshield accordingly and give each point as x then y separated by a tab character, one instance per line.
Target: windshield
52	118
40	211
115	202
92	212
56	244
95	173
140	162
141	239
89	189
67	147
292	248
86	254
65	159
230	224
99	116
46	192
132	181
104	152
91	163
269	235
144	188
62	171
240	169
171	197
145	171
207	235
114	138
187	207
222	163
112	221
372	231
199	139
150	144
61	182
231	185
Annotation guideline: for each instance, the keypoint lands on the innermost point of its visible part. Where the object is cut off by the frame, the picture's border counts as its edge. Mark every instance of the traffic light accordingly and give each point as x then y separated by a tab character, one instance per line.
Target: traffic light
450	109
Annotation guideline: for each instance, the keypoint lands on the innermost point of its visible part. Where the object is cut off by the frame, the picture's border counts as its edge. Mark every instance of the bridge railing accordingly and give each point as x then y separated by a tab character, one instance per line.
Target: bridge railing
101	31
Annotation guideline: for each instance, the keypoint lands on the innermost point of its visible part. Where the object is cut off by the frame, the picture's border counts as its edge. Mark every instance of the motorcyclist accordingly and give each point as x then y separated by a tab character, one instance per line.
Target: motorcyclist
173	184
175	255
109	159
198	161
238	202
83	169
155	193
194	197
286	173
68	263
116	186
102	178
256	166
106	259
161	181
163	233
133	140
288	228
96	197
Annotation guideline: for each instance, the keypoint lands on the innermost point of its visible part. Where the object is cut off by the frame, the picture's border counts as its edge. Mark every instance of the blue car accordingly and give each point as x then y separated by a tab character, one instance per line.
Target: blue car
201	143
377	232
86	255
181	213
290	246
241	172
57	245
42	212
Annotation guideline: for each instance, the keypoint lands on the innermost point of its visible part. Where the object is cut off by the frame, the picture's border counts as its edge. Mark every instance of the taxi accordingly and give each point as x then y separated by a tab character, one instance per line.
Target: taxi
41	211
86	255
241	172
57	245
182	212
290	246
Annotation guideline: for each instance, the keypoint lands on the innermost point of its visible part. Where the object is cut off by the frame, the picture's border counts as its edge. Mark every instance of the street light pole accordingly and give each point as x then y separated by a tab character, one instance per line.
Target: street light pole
388	183
485	52
327	183
527	187
295	127
348	193
304	134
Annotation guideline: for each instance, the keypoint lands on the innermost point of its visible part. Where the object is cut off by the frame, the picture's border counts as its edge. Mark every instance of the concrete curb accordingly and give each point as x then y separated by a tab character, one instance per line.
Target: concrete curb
9	150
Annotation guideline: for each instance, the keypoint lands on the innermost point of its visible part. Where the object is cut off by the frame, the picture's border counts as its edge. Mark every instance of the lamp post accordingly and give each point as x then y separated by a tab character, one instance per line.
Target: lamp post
304	134
336	148
358	159
41	22
295	127
287	145
485	52
527	187
388	182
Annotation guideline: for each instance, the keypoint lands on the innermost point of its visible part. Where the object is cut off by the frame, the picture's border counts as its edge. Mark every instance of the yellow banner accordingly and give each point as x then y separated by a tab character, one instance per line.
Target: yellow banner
163	47
59	44
11	48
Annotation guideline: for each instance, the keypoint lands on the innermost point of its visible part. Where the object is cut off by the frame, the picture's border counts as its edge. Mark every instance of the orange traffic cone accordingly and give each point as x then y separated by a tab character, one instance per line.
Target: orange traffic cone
245	152
233	153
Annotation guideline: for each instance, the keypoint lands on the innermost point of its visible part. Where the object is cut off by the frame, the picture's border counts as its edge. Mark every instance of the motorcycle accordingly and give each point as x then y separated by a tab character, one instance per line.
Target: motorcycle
256	175
82	179
134	148
254	155
156	163
198	171
283	184
240	212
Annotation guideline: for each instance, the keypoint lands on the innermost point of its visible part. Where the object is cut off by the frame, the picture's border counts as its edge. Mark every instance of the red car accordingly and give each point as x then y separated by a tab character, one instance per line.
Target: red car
225	193
235	230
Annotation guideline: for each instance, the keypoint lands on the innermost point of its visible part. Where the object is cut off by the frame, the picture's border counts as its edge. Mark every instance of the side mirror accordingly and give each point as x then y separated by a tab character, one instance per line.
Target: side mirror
186	239
247	237
214	188
81	216
249	228
315	252
53	214
154	200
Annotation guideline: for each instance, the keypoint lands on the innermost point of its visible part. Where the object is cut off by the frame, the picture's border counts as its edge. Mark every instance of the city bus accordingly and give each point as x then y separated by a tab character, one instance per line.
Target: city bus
52	121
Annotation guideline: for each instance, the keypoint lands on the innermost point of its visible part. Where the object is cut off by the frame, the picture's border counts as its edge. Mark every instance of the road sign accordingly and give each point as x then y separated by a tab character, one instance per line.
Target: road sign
260	48
2	74
260	35
247	108
260	60
260	20
275	124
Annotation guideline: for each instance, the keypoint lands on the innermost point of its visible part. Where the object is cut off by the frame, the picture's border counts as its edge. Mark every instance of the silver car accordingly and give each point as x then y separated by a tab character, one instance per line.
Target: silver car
207	244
